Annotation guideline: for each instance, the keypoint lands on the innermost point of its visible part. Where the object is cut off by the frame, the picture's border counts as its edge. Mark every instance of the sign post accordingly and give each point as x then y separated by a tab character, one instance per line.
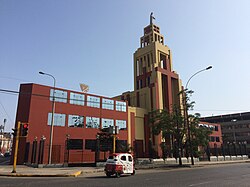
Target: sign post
16	147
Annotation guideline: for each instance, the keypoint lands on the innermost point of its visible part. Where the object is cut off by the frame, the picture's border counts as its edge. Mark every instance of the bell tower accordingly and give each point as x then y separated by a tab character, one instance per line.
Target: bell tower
156	86
155	83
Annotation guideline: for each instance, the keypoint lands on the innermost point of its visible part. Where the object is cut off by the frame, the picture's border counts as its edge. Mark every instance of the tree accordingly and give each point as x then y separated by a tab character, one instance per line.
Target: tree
169	124
174	124
199	134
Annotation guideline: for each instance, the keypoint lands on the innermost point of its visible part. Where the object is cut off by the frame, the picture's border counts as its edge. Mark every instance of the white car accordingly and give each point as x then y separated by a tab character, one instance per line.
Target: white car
119	163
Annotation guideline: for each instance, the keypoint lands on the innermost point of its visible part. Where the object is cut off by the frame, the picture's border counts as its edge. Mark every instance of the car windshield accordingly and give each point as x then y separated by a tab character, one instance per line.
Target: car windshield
113	158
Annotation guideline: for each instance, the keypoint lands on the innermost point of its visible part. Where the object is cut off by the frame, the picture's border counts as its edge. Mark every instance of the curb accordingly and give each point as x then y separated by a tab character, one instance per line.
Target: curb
41	175
76	174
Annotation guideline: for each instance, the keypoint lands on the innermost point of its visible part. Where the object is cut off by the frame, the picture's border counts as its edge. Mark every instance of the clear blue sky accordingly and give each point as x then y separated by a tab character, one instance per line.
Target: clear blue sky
93	42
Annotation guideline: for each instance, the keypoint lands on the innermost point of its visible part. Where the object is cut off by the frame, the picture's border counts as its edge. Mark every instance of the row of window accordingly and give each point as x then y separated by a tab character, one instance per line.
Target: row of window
214	139
144	61
90	122
149	39
211	127
139	83
238	126
92	101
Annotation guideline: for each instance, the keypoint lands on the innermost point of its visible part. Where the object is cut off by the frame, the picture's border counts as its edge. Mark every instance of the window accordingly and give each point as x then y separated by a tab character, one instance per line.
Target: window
92	122
141	86
75	144
107	123
123	158
60	96
152	58
217	139
140	67
76	121
137	67
216	128
76	99
90	144
148	59
107	104
121	124
212	139
155	37
137	85
59	119
121	106
148	81
130	158
162	64
93	101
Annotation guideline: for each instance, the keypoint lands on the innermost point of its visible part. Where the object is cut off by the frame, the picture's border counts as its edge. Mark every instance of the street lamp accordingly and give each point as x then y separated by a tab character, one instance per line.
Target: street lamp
52	117
209	67
186	112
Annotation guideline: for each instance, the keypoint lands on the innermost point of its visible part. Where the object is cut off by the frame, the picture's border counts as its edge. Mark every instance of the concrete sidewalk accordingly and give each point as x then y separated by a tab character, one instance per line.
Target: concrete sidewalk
25	171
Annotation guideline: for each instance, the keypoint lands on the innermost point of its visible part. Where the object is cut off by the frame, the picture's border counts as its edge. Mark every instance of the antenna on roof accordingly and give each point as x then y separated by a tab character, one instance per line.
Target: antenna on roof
84	87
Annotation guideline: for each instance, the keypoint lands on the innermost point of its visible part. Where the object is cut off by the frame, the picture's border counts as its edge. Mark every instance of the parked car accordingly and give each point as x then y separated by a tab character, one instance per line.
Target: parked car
1	155
119	163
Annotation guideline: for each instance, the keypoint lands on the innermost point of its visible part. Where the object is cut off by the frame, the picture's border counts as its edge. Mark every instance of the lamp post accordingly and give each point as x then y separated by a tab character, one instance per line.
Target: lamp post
186	113
52	117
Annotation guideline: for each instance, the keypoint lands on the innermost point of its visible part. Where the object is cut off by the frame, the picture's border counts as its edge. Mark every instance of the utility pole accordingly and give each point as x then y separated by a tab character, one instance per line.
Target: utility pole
186	113
16	147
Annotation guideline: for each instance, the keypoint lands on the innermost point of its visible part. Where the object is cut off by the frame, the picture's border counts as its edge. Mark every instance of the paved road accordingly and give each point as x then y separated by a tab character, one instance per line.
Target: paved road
219	175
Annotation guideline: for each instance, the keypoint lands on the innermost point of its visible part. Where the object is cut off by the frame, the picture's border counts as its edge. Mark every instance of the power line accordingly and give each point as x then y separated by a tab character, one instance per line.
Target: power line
6	112
13	78
47	96
69	99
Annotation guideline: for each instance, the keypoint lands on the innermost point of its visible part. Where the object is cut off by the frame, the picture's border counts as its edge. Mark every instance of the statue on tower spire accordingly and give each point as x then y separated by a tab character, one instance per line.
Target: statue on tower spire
151	18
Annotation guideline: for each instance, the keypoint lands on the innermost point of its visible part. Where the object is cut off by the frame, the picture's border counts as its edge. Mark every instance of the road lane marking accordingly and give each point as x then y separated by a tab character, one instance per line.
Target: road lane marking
245	175
198	184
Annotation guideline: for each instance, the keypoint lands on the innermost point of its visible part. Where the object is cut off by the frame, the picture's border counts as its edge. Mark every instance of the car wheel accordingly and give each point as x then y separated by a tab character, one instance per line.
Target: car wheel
133	172
117	174
108	174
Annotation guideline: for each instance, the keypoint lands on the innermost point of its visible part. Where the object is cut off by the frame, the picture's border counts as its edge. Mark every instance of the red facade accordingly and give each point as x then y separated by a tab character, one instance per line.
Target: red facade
216	136
34	106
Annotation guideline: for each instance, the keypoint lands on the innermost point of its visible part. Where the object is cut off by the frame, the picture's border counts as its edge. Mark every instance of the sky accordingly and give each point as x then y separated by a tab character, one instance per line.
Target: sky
92	42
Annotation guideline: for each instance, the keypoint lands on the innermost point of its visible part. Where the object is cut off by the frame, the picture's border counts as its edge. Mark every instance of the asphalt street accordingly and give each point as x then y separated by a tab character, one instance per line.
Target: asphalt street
217	175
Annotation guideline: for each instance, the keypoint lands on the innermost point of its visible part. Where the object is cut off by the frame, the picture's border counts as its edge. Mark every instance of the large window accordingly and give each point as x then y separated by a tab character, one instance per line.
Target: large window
121	124
76	99
92	122
93	101
107	104
137	67
121	106
107	123
59	119
60	96
90	144
75	121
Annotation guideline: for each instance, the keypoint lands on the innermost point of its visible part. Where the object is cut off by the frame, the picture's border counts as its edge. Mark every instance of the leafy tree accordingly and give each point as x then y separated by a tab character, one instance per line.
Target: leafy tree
174	124
169	123
199	134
